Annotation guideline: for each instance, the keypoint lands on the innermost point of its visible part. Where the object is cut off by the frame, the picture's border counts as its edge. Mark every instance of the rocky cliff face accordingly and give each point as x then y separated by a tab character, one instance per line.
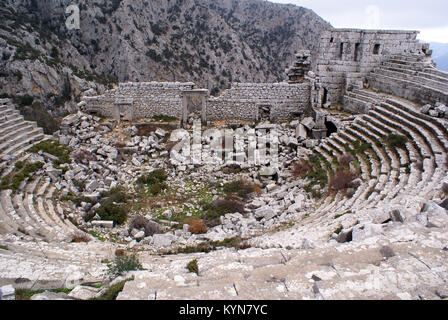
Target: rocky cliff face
208	42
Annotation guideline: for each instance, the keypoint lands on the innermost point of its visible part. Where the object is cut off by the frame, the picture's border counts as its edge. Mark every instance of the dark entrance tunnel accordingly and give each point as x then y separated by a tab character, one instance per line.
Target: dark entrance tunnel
331	128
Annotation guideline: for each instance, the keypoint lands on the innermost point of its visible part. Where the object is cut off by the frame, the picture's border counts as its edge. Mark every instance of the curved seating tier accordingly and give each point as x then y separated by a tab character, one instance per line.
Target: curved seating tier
388	173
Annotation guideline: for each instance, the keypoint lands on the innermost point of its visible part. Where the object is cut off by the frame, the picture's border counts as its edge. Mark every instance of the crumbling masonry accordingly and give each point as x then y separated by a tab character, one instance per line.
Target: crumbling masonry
348	59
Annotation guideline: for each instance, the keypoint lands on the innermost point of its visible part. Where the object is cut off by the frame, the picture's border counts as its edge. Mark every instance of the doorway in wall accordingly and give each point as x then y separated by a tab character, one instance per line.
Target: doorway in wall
325	96
357	51
331	127
264	112
194	104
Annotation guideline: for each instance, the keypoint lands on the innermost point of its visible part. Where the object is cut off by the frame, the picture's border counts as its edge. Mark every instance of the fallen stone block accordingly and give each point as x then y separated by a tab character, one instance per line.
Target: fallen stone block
7	293
103	224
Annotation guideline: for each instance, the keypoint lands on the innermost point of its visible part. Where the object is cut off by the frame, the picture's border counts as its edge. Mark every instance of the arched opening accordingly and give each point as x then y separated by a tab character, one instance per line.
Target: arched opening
331	128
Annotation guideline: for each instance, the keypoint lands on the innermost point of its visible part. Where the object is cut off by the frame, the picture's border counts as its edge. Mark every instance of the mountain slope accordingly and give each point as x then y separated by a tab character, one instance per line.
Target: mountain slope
209	42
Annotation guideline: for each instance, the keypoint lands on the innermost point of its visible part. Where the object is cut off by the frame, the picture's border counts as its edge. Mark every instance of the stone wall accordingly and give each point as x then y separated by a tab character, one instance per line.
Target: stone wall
347	56
244	100
140	100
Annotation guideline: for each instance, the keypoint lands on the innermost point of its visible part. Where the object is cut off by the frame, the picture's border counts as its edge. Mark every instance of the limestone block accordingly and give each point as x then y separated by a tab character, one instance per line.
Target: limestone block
103	224
7	293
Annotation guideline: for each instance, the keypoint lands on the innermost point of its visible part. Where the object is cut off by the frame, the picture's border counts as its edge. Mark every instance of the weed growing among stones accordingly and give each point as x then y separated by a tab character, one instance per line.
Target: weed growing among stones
193	267
122	265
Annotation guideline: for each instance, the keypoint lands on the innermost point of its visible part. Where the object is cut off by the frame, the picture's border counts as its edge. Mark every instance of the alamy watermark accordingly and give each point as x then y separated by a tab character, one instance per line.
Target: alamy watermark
242	146
73	22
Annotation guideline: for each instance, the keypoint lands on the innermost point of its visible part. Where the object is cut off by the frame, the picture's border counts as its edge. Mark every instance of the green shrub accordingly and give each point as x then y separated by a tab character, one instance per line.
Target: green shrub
38	113
25	100
113	291
192	266
113	212
122	265
396	141
213	211
117	194
240	187
156	176
155	181
19	165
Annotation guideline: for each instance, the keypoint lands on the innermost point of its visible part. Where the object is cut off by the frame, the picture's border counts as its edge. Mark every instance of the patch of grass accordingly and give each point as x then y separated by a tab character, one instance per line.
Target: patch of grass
76	199
112	292
27	169
56	149
214	210
164	118
122	265
339	229
155	181
317	176
241	188
19	165
193	267
26	294
396	141
209	246
4	247
97	235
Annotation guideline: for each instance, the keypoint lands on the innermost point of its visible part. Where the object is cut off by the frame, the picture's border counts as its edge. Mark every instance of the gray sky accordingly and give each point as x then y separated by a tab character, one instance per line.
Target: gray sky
428	16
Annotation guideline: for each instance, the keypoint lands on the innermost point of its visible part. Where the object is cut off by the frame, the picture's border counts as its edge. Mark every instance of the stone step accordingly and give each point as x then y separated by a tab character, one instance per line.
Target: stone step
30	207
407	89
365	175
14	119
21	143
19	131
19	151
9	115
415	70
385	164
48	209
14	127
7	223
415	126
14	218
406	58
37	231
361	97
416	78
8	111
368	94
438	128
393	155
4	108
15	140
60	213
385	160
356	105
386	180
379	121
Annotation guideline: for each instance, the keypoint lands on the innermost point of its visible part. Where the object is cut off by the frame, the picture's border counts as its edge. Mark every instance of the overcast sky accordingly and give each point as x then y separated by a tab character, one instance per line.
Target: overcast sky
428	16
